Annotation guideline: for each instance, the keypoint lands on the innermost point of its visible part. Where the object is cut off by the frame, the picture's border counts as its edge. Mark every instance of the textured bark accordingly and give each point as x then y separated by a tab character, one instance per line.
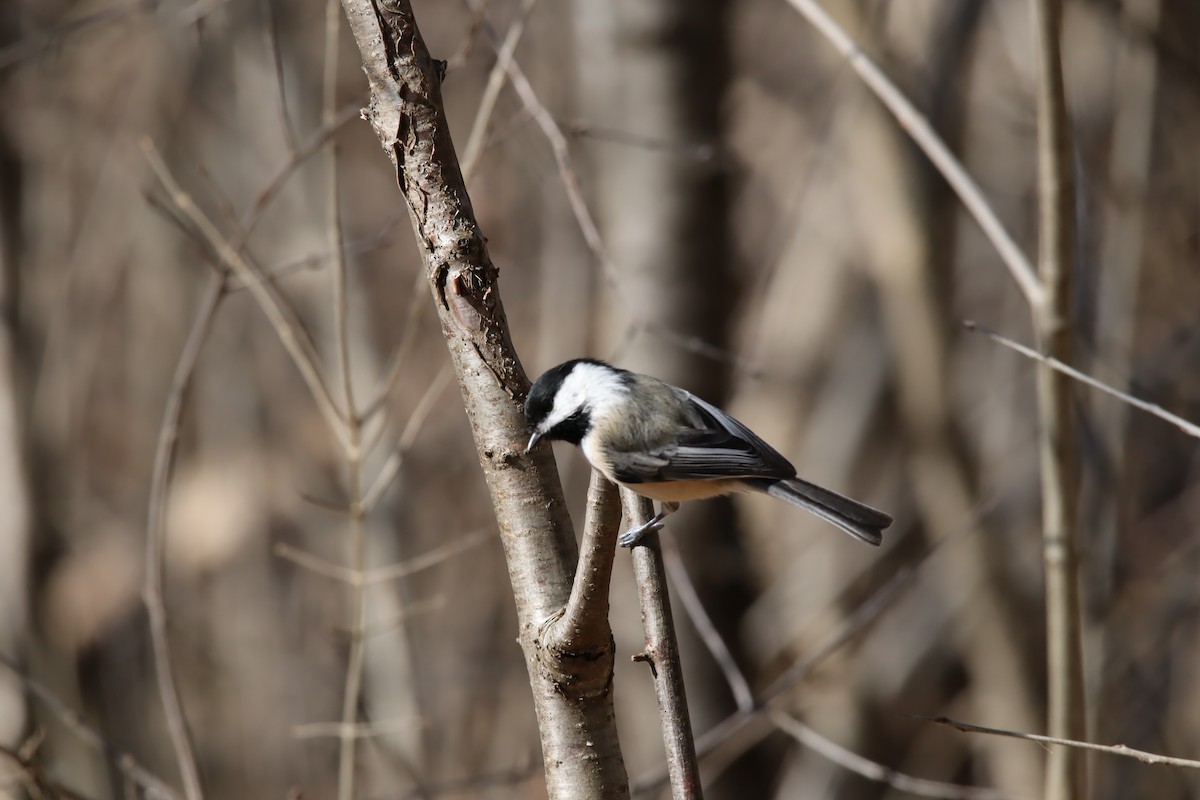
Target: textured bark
571	681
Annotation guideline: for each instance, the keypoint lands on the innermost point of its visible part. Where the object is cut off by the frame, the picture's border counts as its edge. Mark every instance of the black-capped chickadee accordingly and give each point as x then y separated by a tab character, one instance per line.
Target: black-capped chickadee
669	445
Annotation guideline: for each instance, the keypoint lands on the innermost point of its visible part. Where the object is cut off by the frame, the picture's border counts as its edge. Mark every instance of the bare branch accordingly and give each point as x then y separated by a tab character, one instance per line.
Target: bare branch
584	621
407	115
412	566
152	589
872	770
352	443
686	590
153	786
284	328
362	730
412	428
1190	428
662	653
491	92
1066	770
1112	749
427	560
931	144
851	627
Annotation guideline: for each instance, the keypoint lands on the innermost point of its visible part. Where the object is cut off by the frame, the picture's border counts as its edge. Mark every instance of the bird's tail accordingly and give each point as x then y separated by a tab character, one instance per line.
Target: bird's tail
860	521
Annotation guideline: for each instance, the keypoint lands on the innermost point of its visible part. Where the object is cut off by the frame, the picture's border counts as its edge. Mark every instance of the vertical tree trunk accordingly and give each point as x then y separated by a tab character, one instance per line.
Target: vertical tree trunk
571	674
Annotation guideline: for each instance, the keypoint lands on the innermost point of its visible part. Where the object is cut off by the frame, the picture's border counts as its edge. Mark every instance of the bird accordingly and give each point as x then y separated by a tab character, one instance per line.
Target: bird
665	443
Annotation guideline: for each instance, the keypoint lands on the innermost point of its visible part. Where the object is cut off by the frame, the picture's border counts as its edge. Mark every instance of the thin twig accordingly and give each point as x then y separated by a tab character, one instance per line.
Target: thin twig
302	153
874	771
686	590
427	560
412	428
561	150
272	42
286	331
417	304
1112	749
491	92
152	590
33	43
662	653
931	144
410	610
851	627
152	785
361	730
412	566
356	660
1066	770
1190	428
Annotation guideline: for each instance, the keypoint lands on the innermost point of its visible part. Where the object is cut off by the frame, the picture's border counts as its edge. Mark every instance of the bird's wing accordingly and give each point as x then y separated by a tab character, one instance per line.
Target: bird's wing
717	447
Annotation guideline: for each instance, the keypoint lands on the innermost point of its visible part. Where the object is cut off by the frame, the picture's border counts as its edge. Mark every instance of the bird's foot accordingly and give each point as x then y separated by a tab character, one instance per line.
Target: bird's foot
633	537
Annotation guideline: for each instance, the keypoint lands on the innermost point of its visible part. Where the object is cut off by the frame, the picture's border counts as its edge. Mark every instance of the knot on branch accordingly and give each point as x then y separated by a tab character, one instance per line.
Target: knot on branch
578	660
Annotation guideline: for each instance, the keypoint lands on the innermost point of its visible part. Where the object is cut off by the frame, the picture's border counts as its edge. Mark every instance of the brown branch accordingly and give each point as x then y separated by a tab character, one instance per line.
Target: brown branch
1112	749
1066	770
152	590
686	590
872	770
584	621
662	653
932	145
154	787
286	328
579	743
862	617
1190	428
352	445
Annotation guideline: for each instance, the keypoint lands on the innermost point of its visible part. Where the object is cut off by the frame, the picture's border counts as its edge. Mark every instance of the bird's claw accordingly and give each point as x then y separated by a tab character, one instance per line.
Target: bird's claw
634	536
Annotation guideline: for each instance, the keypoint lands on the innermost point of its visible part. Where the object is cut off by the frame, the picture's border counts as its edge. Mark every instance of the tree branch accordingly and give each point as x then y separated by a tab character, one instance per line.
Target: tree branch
584	622
1112	749
578	733
1066	775
1188	427
931	145
662	653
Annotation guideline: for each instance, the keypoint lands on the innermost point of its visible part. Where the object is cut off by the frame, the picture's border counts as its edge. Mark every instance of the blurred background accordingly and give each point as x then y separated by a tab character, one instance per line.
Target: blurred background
770	240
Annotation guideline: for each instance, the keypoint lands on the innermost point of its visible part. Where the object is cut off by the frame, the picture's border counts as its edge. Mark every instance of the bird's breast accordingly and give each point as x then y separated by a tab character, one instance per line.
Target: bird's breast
683	491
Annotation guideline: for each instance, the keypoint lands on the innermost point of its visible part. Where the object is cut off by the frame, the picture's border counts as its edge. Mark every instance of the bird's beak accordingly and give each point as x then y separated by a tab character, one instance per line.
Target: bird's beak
533	440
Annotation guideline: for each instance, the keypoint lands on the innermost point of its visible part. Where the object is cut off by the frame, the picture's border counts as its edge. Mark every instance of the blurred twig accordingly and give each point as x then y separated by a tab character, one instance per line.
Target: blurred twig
872	770
1066	769
685	589
160	480
1190	428
272	42
931	144
359	730
285	328
153	786
416	420
36	42
586	220
1111	749
352	445
390	572
330	125
491	92
852	626
662	653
